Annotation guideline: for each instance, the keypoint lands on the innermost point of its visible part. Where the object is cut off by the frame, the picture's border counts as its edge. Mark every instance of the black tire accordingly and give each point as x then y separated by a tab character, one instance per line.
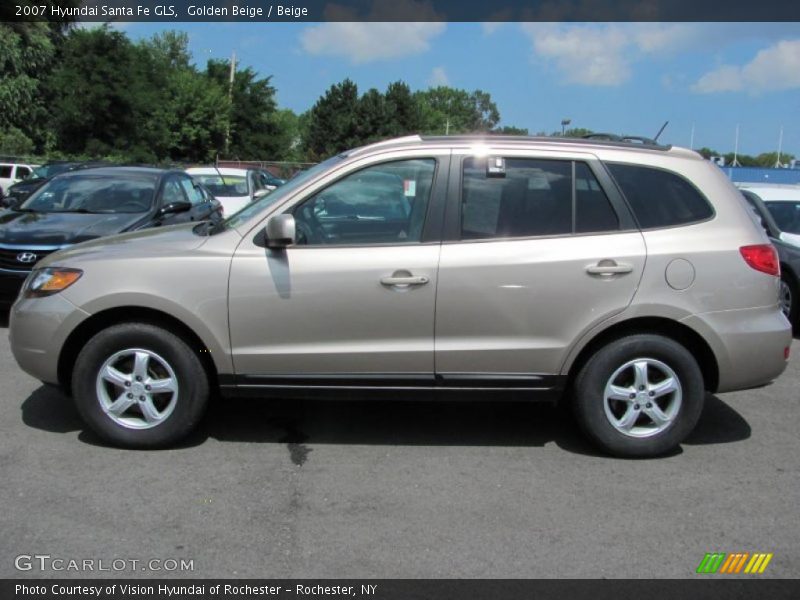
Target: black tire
789	281
590	404
189	401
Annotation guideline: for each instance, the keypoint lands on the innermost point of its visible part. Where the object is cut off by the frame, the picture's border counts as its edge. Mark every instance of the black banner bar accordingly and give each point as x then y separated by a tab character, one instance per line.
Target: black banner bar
400	10
703	588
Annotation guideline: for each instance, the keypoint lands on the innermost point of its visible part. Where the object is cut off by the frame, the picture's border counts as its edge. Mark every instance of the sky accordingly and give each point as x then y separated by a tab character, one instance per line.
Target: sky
626	78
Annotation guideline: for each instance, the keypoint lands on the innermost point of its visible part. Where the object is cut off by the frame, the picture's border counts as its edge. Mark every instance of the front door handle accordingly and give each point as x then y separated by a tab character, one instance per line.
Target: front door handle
397	279
609	267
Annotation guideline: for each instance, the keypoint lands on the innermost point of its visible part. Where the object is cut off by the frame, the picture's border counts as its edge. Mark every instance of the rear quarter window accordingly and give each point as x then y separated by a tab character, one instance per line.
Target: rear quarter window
660	198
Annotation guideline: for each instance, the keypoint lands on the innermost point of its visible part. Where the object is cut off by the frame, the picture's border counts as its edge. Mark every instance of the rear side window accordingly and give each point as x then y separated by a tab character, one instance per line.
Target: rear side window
533	197
5	171
660	198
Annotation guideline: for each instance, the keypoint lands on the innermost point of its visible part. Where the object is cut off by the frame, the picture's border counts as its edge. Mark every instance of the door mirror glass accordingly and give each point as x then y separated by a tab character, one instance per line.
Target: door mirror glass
280	231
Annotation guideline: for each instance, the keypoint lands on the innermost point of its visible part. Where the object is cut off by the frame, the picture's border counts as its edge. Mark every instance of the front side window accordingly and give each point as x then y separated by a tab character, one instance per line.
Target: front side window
382	204
23	172
192	192
660	198
532	197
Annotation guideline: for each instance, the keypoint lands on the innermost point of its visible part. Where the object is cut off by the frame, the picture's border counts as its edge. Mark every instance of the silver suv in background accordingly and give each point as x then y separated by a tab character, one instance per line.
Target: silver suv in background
624	278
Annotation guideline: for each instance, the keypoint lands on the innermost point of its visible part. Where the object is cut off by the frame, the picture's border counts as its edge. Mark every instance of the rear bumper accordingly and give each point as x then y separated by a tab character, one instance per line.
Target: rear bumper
749	344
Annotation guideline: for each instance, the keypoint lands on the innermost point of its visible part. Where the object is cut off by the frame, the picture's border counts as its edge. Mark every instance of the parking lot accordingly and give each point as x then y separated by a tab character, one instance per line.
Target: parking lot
398	489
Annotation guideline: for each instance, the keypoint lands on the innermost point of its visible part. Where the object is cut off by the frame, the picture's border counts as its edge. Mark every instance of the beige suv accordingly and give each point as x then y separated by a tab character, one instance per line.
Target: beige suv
625	278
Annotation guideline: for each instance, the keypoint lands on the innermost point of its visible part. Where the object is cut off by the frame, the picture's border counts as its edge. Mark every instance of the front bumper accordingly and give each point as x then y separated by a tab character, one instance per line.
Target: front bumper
38	329
10	285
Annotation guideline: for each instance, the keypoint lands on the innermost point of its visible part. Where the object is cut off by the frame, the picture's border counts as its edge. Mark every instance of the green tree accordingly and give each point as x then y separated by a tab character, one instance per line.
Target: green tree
332	124
509	130
253	130
402	110
448	110
372	117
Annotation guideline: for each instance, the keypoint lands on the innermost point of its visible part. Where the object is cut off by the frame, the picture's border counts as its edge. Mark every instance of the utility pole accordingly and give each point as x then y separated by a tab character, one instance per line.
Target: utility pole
230	105
778	164
735	162
691	139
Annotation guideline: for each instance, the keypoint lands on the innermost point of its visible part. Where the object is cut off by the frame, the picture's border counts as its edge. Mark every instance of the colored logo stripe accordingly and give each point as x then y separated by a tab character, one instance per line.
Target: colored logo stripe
711	562
720	562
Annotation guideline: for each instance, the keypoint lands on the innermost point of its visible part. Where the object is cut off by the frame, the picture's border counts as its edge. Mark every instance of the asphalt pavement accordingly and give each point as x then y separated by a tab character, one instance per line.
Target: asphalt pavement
299	489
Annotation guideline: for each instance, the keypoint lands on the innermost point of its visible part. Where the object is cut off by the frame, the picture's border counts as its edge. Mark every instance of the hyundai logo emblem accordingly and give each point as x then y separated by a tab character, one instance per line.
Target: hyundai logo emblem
26	257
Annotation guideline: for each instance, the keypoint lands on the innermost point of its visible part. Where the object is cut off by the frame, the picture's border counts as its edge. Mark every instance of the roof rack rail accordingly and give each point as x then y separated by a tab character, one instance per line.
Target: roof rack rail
606	139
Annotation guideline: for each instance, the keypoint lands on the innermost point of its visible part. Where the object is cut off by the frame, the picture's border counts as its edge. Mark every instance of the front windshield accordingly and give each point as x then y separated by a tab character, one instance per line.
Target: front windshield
223	185
254	208
786	215
47	171
93	194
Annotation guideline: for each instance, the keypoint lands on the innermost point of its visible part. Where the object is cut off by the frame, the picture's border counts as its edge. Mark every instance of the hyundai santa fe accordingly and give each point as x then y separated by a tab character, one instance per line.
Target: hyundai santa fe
624	278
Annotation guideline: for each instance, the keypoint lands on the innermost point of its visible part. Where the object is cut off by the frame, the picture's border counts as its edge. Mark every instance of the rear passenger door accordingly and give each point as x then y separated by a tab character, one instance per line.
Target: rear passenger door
539	249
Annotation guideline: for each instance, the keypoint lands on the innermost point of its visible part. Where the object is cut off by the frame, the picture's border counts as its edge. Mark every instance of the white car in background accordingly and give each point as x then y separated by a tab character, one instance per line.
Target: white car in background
11	173
234	188
783	203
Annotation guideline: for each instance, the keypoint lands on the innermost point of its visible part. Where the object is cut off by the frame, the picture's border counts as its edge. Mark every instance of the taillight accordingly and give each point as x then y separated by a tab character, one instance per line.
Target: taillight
762	257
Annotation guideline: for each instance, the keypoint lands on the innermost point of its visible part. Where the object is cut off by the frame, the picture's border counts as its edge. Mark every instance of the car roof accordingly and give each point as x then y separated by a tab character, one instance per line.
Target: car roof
629	143
216	171
110	171
773	192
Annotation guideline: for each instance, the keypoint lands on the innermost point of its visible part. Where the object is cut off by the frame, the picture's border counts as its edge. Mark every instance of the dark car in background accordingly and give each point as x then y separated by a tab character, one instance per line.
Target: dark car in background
788	254
87	204
20	191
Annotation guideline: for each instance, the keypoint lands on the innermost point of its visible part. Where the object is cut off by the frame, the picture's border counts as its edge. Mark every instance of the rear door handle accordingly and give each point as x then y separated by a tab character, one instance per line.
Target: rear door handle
609	267
410	280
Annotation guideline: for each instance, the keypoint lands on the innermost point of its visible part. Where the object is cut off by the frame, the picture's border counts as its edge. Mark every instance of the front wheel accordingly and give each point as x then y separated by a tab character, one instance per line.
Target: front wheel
639	396
139	386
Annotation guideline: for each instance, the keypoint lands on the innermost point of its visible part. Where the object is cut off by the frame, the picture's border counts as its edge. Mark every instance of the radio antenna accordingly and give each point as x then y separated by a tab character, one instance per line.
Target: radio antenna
663	127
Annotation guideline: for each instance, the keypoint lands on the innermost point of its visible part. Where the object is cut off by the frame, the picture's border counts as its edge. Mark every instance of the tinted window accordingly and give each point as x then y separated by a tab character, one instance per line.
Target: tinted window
5	171
532	198
382	204
94	194
593	210
660	198
786	215
23	172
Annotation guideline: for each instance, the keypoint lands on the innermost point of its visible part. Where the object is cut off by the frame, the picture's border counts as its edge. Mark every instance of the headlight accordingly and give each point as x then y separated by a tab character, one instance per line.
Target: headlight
49	281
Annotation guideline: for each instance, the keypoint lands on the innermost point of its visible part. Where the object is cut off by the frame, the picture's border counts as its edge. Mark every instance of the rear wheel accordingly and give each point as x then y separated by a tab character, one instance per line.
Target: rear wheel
639	396
139	386
788	298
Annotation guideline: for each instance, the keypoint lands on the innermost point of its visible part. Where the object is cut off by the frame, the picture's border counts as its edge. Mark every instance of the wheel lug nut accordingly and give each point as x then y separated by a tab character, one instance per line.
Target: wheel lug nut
147	387
648	405
130	396
651	394
632	396
636	407
127	384
139	379
141	398
641	388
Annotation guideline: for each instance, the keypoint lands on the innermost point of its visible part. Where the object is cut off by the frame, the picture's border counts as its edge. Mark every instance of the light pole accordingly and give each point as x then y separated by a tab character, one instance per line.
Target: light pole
564	123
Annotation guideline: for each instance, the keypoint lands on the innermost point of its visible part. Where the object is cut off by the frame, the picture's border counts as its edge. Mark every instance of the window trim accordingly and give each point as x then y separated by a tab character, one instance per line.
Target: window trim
434	214
671	172
452	228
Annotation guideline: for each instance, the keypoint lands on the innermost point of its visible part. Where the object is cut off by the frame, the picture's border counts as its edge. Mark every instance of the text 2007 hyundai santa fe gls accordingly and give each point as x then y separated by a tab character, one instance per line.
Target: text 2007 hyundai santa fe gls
626	278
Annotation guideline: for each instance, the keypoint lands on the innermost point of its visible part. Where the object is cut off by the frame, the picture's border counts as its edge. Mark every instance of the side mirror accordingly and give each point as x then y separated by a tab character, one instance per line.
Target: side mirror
175	207
280	231
261	193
